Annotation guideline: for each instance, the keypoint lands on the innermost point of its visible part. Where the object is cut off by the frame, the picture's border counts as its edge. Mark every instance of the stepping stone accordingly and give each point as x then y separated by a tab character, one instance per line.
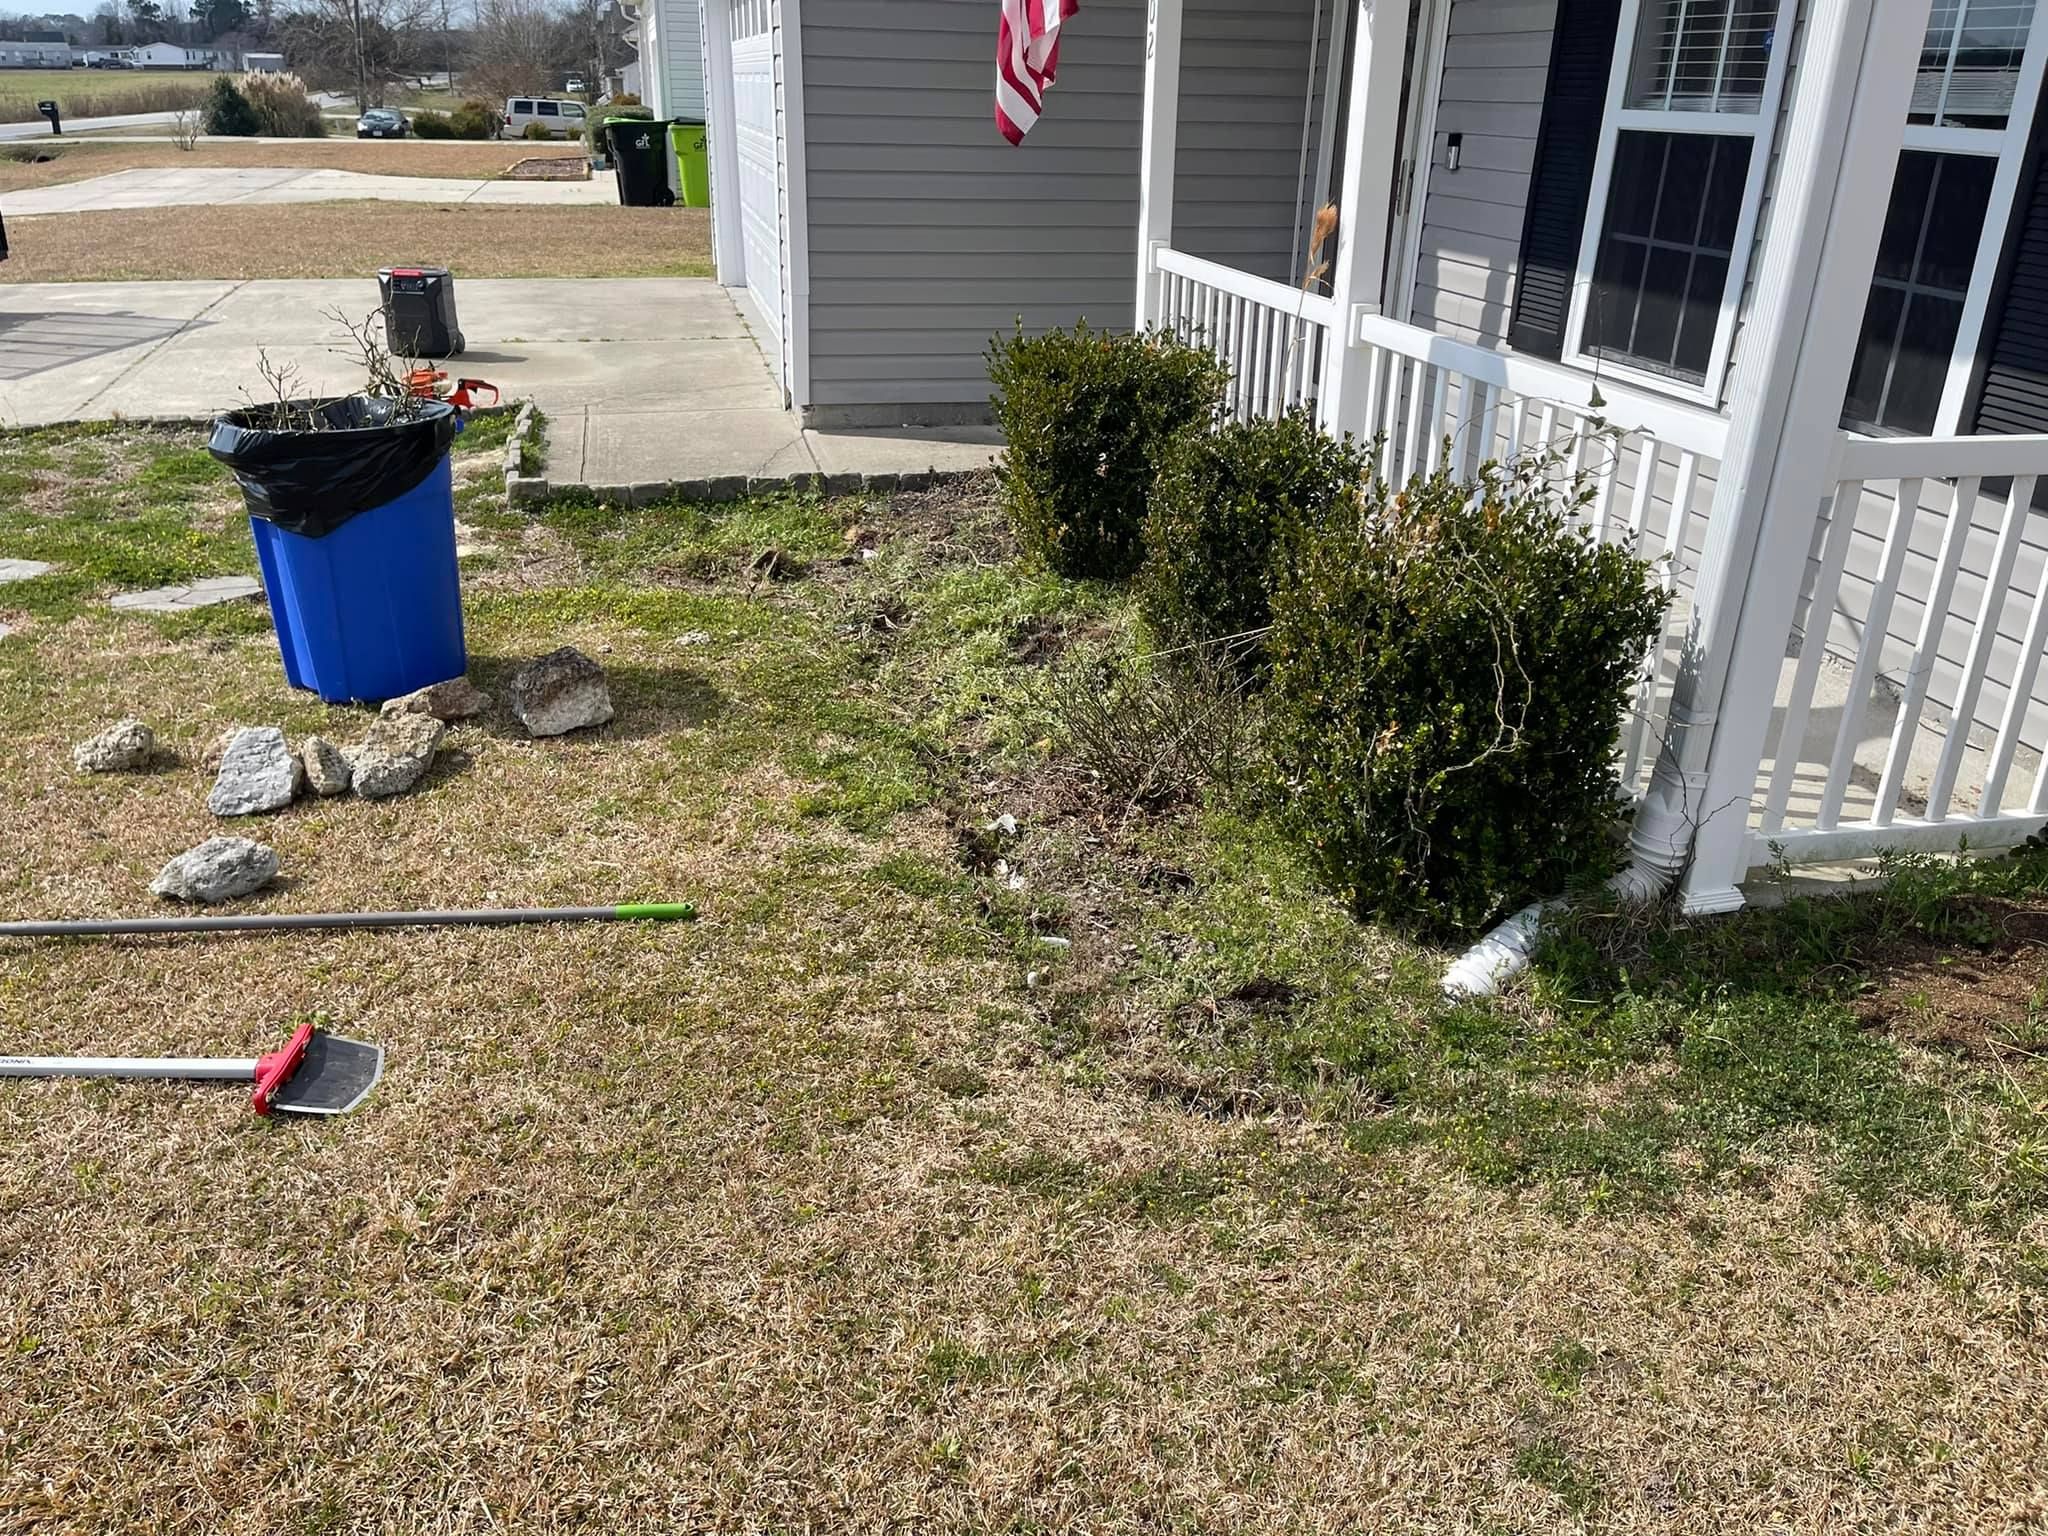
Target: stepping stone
199	594
22	570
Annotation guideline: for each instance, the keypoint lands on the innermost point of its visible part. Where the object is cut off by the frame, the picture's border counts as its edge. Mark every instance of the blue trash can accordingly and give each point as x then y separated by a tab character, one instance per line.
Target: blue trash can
355	534
374	609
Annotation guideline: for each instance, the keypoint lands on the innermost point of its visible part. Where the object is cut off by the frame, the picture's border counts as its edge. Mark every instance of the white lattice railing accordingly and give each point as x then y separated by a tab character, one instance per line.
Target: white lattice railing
1912	678
1274	339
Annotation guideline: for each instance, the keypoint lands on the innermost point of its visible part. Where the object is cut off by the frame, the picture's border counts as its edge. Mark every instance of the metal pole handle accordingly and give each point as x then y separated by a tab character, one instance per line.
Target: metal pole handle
233	1069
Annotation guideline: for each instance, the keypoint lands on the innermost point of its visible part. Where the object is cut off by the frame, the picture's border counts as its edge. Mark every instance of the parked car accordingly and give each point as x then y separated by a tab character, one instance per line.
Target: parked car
574	85
382	123
551	112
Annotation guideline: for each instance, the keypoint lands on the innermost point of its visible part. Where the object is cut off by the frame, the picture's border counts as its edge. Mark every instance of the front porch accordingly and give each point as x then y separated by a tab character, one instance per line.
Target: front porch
1851	662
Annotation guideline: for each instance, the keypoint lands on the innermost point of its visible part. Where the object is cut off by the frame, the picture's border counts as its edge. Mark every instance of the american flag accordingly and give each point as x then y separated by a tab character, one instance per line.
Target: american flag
1027	58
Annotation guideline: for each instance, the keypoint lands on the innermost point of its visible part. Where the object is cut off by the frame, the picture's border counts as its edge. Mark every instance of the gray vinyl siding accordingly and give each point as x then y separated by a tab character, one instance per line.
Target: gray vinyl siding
1247	98
1496	59
929	233
672	57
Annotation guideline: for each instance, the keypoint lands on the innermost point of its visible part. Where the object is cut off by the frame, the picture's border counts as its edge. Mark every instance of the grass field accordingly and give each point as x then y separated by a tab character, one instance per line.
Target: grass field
859	1206
22	166
99	92
351	238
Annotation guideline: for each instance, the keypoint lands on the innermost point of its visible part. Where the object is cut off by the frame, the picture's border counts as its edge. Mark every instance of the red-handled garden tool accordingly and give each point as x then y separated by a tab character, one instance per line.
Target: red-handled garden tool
313	1073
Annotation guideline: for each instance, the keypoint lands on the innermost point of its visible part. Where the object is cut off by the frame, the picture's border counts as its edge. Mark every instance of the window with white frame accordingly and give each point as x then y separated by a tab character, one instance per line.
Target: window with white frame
1679	175
1966	134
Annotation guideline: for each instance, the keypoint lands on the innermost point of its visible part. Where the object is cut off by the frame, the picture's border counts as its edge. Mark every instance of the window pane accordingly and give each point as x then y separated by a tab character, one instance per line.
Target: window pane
1701	55
1970	62
1656	297
1931	233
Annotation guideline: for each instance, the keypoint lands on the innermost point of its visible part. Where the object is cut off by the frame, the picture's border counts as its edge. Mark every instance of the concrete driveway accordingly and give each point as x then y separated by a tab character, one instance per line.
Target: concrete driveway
83	350
642	379
162	187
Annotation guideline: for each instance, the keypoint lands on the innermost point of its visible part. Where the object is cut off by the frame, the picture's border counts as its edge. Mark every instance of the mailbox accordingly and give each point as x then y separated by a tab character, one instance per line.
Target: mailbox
49	110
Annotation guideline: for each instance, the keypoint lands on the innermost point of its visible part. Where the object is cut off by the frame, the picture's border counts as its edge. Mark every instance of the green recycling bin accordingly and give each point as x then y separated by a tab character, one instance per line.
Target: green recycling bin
692	163
640	157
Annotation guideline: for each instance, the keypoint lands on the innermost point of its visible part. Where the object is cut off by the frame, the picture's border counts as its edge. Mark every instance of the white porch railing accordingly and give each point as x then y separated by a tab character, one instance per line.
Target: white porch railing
1912	652
1906	714
1273	338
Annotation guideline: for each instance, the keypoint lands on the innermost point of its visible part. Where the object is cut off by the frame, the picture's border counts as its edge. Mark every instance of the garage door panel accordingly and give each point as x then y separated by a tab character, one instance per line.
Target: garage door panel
755	140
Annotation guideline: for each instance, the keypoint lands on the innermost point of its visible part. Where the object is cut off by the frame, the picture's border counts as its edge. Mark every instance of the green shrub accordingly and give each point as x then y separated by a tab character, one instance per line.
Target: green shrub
535	131
1221	500
1087	416
282	110
627	105
474	120
1450	667
228	111
432	125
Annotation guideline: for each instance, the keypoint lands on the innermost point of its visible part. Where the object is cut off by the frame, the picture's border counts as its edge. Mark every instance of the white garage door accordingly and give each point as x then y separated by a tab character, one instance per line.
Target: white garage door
757	139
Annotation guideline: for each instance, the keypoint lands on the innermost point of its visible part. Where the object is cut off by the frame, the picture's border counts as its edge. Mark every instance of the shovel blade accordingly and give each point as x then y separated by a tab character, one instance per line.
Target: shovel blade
335	1076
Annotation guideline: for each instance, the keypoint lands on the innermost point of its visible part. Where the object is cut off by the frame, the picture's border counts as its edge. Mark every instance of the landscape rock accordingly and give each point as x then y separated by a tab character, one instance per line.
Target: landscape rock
219	869
456	699
396	754
562	691
326	765
258	772
122	747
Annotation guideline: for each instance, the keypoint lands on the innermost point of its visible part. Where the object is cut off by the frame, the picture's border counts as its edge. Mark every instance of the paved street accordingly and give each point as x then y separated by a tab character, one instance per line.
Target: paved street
642	379
161	187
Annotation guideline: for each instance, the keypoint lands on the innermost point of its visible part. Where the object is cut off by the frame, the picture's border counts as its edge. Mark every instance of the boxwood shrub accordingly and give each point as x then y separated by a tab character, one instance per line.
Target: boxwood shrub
1087	415
1221	500
1450	667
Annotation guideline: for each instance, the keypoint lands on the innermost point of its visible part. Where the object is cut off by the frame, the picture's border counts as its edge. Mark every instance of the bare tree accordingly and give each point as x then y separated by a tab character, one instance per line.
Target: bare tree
364	45
514	49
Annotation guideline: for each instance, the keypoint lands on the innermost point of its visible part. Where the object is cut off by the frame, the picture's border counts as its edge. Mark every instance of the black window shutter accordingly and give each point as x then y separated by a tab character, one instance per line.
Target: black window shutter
1581	52
2011	393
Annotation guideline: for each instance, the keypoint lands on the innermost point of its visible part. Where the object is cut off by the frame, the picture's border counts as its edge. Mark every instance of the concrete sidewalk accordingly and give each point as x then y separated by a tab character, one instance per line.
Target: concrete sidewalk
644	380
182	187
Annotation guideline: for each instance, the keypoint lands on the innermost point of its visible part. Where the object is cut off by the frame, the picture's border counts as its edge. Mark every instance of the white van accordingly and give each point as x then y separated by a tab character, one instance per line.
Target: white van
561	118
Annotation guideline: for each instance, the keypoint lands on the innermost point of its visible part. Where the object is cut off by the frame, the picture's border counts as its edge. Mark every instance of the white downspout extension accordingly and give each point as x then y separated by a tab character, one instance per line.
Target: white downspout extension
1842	141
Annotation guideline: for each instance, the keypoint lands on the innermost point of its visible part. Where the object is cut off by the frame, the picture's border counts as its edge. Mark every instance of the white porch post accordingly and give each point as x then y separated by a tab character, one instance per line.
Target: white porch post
1841	149
1155	159
729	254
1372	132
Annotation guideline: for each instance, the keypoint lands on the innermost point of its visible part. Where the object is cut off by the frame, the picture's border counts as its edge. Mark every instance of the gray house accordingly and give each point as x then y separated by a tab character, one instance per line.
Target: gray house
669	73
882	231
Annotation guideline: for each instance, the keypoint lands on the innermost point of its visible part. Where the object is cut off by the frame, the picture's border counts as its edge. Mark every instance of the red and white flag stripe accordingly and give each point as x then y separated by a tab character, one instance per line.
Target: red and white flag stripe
1027	59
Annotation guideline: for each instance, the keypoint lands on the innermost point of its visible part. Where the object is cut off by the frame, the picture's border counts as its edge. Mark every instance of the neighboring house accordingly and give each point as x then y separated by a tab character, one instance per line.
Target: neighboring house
669	73
1772	273
263	63
178	56
35	54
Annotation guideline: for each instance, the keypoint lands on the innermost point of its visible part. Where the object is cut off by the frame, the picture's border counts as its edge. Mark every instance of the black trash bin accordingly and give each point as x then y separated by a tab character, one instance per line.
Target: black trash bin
640	154
419	311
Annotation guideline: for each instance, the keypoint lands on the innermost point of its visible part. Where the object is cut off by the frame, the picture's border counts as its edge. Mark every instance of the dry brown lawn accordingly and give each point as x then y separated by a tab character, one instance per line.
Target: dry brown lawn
79	160
792	1219
351	238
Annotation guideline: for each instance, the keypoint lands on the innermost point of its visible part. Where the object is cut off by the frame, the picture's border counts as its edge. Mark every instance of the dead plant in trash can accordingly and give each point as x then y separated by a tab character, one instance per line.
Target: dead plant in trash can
286	405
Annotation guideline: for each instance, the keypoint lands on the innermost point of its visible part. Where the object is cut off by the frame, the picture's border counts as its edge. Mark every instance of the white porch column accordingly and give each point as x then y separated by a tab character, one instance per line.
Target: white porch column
1155	159
1841	148
721	117
1372	151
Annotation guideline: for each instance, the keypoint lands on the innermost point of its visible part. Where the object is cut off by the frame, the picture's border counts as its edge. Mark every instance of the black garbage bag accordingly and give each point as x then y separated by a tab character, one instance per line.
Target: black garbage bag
311	482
